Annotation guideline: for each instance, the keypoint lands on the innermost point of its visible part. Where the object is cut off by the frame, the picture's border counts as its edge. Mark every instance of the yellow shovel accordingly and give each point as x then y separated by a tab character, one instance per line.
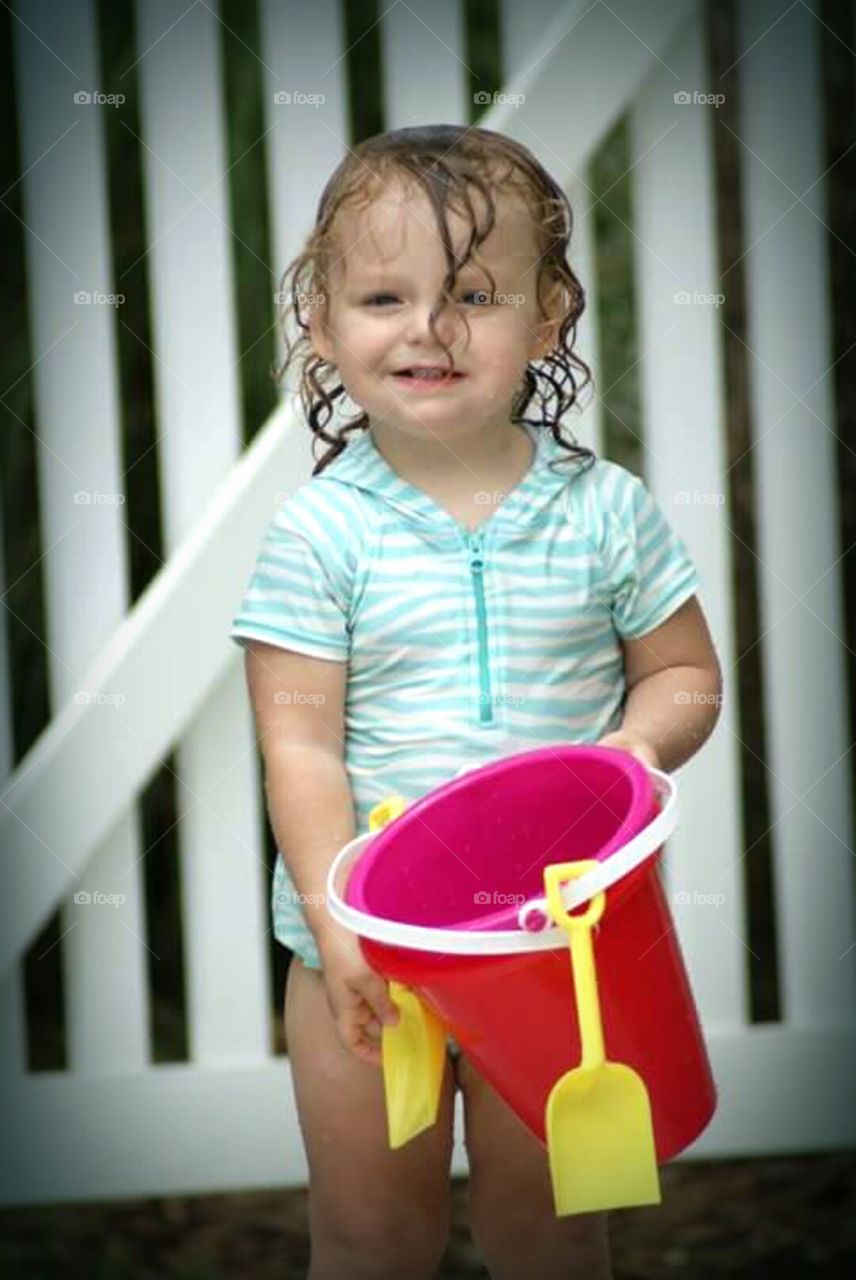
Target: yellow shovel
414	1050
600	1137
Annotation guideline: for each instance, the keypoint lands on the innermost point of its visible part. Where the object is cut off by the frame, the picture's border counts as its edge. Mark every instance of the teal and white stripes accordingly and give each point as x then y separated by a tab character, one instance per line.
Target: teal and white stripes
360	566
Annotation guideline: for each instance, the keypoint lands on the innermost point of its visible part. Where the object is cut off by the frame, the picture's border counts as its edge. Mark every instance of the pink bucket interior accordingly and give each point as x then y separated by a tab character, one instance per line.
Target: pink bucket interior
466	855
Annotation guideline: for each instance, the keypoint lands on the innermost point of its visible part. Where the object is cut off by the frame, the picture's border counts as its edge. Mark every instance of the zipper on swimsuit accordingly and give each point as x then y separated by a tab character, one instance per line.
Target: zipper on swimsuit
474	546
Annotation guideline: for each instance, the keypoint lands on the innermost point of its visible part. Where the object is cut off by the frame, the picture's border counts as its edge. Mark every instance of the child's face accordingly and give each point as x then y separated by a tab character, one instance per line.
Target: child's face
382	289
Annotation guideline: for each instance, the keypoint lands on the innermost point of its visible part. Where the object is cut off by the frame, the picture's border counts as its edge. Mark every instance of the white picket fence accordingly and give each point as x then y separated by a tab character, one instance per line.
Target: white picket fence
113	1124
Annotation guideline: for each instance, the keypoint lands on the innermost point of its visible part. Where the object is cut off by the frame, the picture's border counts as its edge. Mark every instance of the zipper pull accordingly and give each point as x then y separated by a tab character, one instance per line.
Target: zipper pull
476	549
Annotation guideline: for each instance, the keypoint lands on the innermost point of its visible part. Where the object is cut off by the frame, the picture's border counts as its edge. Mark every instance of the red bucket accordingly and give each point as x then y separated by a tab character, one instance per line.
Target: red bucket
452	876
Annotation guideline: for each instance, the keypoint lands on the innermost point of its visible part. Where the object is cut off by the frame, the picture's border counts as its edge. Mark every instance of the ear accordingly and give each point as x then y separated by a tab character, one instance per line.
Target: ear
318	334
545	333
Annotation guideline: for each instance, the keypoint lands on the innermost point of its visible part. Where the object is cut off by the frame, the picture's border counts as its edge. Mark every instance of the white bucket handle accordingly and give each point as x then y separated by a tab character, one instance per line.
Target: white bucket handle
618	864
503	941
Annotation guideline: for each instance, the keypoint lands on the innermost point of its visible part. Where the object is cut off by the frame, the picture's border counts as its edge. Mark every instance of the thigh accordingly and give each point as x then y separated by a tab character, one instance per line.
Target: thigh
359	1189
510	1199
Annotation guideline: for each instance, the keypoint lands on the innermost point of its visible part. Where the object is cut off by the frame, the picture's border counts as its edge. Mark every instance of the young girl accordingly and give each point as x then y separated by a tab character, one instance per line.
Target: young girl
456	581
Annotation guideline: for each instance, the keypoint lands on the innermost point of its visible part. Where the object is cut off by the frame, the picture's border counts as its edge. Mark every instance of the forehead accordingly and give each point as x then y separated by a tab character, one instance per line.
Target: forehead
398	228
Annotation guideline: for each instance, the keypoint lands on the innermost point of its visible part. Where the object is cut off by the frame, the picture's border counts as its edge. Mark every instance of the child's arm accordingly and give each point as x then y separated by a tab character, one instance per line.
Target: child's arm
673	690
299	708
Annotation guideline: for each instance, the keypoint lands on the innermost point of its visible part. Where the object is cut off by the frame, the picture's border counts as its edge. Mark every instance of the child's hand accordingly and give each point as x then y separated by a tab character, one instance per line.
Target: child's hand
358	996
639	747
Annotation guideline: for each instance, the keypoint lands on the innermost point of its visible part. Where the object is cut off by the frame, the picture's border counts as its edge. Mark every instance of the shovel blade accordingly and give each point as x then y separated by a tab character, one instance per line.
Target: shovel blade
600	1140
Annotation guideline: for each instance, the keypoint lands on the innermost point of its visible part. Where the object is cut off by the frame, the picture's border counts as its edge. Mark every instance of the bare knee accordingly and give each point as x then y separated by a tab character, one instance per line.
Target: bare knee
528	1239
370	1238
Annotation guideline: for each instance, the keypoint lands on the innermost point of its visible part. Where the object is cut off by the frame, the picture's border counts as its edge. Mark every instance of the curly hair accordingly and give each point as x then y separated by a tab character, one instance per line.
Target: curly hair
450	163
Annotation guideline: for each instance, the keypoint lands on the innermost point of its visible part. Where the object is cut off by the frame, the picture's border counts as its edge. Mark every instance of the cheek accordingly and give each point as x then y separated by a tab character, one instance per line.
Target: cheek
505	344
363	341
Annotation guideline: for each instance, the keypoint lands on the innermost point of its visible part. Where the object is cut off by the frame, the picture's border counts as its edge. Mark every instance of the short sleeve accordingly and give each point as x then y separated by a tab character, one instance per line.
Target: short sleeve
298	593
649	571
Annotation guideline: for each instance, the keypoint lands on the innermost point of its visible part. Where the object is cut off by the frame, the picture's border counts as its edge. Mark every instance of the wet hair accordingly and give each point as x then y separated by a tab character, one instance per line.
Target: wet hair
450	163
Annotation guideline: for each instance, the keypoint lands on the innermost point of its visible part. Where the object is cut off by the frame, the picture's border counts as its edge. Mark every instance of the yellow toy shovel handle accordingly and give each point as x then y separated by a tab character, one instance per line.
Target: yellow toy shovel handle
381	814
578	928
414	1050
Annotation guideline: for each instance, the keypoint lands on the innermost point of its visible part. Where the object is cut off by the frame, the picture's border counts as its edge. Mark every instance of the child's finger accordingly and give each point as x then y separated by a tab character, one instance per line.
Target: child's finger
382	1005
354	1038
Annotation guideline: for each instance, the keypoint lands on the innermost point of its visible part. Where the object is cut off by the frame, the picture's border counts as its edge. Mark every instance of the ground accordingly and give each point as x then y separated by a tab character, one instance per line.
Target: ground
774	1219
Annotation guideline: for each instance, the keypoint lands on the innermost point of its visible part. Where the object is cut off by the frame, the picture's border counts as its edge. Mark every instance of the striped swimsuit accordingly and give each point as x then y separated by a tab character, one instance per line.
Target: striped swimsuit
461	645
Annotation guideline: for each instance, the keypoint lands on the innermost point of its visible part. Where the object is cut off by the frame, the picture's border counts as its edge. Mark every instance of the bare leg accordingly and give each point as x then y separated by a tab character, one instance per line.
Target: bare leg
374	1214
511	1210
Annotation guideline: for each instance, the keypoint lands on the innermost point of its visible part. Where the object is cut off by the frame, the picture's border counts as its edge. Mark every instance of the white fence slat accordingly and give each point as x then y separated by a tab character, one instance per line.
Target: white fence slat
165	656
127	1135
522	28
425	73
588	428
782	1090
621	41
190	259
786	267
197	382
13	1049
76	400
33	879
303	51
171	657
169	1129
680	351
104	968
226	921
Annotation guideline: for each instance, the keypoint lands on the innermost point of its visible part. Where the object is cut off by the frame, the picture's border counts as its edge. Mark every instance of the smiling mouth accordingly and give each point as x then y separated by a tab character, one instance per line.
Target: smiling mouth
427	377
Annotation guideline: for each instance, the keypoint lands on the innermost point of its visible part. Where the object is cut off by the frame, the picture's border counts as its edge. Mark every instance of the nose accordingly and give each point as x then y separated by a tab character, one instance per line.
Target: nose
446	324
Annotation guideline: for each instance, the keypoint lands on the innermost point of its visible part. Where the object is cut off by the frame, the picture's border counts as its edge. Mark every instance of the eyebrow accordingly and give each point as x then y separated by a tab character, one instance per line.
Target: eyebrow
390	276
